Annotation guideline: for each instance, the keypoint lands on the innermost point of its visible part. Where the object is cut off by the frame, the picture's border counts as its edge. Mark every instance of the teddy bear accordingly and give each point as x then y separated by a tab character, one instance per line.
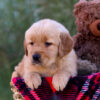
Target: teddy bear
87	39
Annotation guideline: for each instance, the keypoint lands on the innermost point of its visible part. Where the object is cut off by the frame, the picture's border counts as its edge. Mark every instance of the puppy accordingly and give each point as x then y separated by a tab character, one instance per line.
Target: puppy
48	52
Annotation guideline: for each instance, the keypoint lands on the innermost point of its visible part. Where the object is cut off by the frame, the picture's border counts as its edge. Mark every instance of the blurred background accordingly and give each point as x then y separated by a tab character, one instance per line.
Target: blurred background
16	16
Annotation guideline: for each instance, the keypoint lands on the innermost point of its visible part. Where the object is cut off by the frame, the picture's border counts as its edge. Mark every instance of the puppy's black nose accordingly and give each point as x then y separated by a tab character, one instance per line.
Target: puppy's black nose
36	57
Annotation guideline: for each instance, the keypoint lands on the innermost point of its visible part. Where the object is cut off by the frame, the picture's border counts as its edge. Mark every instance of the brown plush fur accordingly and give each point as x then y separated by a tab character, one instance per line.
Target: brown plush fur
87	45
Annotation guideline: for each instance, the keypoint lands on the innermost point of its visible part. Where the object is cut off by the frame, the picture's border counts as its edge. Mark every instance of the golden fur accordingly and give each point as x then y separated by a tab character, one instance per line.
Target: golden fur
58	59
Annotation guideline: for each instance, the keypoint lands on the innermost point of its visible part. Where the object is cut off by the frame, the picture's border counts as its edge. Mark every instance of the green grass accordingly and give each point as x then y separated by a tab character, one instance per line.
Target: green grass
5	92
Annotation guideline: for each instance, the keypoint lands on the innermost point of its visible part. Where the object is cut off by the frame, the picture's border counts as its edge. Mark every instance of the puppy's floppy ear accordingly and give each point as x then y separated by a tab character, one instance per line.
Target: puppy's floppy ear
65	45
25	47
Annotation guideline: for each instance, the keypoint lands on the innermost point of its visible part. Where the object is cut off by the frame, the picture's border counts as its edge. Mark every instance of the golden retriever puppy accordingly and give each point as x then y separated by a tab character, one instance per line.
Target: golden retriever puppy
48	52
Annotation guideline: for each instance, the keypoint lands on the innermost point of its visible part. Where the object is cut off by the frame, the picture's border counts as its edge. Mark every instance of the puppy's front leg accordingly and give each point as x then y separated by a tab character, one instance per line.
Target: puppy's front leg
33	80
60	80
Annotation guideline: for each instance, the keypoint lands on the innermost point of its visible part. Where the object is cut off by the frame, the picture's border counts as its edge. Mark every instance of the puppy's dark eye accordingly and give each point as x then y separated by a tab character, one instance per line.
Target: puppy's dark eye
31	43
48	44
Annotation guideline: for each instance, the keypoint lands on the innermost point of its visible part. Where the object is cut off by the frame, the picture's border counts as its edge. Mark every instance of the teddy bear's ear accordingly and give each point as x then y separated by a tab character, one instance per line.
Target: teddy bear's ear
25	47
79	6
65	45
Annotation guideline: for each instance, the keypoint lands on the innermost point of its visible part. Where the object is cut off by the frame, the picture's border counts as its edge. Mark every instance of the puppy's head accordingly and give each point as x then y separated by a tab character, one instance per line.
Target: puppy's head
45	41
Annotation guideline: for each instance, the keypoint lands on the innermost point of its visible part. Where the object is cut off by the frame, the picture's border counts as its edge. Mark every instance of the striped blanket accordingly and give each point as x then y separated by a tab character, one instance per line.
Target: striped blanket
78	88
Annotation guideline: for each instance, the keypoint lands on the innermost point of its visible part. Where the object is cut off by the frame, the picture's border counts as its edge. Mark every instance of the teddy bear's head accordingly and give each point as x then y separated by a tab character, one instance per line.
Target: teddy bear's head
87	15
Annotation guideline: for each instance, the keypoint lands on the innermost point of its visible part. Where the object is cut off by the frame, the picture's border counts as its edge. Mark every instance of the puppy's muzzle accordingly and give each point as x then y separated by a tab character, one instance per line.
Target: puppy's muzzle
36	58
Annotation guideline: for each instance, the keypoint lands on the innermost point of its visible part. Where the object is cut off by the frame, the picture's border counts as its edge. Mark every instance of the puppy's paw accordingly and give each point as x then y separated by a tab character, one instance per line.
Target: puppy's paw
60	81
33	80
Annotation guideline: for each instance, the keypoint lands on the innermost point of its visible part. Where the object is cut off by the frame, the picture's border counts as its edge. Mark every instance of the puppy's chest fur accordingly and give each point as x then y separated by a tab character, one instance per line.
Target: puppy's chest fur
42	70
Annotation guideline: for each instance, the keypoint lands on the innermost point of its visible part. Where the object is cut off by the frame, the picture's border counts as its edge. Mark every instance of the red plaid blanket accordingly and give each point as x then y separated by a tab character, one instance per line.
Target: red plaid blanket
78	88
